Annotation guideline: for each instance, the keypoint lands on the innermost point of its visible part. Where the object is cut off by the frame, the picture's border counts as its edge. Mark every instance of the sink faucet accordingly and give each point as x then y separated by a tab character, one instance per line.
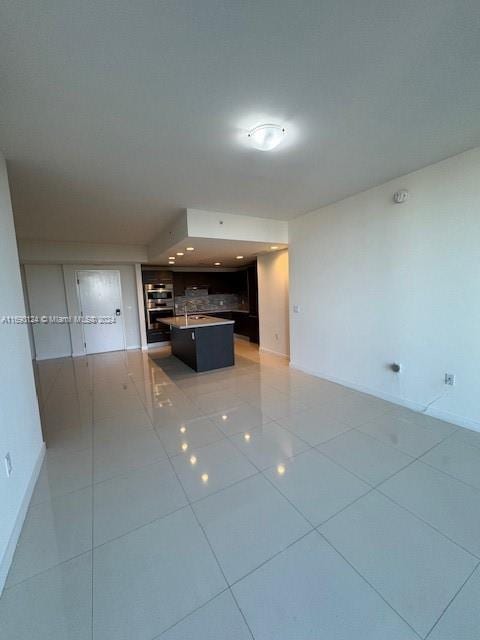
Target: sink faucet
185	310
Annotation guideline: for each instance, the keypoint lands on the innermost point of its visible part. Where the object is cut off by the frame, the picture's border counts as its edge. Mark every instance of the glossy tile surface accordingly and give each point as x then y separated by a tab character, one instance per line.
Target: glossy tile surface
310	592
268	445
318	487
175	505
127	502
216	467
247	524
461	621
457	457
365	456
450	506
417	570
220	619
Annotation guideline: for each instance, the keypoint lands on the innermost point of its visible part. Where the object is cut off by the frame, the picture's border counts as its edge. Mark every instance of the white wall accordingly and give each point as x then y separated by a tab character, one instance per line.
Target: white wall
273	302
27	310
52	290
129	297
42	251
46	295
378	282
206	224
20	433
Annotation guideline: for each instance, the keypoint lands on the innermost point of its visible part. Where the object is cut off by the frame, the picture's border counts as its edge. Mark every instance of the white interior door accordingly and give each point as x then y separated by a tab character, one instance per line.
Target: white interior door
100	297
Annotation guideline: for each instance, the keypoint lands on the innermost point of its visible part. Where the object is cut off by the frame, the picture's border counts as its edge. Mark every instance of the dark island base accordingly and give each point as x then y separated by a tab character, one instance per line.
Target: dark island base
204	348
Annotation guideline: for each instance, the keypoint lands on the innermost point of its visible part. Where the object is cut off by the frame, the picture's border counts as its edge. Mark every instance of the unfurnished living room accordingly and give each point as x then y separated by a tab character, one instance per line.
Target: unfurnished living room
239	320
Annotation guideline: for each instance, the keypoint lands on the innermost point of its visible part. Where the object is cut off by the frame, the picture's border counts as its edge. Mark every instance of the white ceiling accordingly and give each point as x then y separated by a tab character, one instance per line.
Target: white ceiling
210	250
115	115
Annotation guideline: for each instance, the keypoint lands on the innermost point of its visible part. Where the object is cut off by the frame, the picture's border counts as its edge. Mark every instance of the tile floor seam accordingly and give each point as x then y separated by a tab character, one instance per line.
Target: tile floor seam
419	457
350	504
371	435
211	549
429	524
172	626
39	573
372	486
369	584
275	555
428	464
285	458
261	472
451	601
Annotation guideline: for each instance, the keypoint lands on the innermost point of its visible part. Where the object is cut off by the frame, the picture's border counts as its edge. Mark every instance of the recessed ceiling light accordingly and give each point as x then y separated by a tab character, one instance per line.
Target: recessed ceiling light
171	257
239	257
217	264
274	247
179	253
171	262
266	137
190	249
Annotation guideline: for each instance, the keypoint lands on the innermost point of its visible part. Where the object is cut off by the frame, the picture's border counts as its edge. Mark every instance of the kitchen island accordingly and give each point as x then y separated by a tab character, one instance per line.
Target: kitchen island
202	342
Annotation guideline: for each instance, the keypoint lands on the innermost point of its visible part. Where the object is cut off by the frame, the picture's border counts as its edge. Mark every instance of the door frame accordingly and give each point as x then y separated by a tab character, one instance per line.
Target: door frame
79	301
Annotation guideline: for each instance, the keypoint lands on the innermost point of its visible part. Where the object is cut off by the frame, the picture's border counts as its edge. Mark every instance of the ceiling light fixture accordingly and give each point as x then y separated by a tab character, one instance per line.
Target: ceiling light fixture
171	257
171	262
239	257
179	253
266	137
190	249
274	247
217	264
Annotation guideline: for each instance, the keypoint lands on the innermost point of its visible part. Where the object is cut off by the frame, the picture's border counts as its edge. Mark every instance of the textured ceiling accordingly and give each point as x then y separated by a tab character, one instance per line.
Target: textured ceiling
116	115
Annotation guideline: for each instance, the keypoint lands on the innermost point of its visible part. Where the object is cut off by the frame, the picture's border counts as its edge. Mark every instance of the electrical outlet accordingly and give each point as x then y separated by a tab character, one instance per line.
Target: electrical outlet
276	336
450	379
8	465
221	303
296	308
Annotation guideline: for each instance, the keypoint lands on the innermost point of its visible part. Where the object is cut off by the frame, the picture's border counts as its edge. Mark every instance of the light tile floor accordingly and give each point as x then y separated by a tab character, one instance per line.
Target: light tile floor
253	502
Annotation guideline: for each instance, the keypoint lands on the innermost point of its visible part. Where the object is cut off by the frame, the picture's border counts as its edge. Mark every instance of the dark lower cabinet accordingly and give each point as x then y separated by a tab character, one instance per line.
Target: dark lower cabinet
162	334
204	348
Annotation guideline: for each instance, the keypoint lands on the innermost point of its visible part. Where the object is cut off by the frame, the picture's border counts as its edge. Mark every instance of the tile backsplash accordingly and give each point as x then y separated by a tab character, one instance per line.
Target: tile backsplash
217	302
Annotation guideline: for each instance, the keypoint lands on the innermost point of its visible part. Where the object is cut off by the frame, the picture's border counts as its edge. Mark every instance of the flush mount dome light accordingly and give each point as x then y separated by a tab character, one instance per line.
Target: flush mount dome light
266	137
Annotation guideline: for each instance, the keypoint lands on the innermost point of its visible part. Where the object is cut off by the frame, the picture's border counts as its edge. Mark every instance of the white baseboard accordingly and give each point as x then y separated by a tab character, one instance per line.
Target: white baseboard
133	346
6	561
440	414
275	353
54	356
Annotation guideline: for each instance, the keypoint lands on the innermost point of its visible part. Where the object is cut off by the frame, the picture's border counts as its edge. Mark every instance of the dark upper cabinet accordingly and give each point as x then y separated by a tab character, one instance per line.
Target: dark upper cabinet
178	283
156	276
217	282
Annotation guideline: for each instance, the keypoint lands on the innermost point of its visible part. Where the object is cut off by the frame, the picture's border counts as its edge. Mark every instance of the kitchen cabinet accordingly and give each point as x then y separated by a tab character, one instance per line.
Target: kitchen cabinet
217	282
155	276
204	348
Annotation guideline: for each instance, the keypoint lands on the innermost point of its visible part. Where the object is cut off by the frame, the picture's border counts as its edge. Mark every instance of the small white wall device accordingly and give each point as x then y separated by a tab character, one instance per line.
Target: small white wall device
400	196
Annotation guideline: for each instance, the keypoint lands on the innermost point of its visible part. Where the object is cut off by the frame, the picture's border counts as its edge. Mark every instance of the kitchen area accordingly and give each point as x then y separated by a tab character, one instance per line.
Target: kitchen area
200	311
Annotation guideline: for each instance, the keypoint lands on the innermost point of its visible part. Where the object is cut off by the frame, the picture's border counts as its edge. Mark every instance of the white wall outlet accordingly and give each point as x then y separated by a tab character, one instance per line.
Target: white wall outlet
450	379
296	308
8	465
221	303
